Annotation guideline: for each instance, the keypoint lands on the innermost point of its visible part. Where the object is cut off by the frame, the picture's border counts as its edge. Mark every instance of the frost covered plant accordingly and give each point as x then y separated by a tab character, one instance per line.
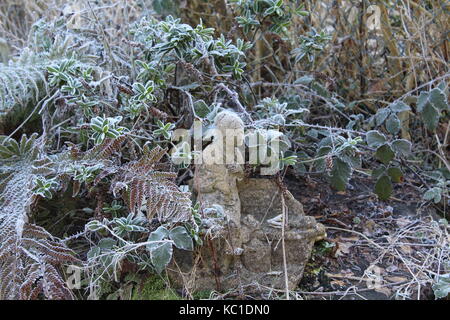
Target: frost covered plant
106	127
276	112
170	41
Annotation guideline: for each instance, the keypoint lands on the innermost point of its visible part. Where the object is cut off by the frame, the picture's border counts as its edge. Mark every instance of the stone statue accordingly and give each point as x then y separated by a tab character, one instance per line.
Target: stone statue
248	249
216	178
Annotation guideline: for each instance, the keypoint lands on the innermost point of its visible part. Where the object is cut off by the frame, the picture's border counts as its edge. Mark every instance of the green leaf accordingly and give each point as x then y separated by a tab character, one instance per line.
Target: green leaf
376	173
201	109
438	99
353	160
393	124
340	174
385	154
161	255
383	187
396	174
430	116
381	115
304	80
181	238
422	101
434	194
159	234
107	243
399	106
429	105
442	287
375	139
401	146
320	90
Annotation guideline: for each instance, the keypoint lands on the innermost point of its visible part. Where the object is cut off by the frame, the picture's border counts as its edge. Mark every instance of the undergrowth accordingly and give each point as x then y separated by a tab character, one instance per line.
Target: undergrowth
108	100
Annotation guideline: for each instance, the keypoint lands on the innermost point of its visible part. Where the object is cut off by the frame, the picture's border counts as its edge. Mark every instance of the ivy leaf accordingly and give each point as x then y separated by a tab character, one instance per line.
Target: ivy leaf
157	235
383	187
340	174
393	124
385	154
401	146
375	139
396	174
181	238
161	255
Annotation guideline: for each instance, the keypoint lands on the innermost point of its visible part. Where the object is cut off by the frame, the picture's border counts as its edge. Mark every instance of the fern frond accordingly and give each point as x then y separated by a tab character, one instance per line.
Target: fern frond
143	182
25	248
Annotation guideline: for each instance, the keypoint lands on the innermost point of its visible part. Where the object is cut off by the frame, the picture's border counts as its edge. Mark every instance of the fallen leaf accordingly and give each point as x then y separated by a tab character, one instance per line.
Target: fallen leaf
396	279
406	249
338	283
343	248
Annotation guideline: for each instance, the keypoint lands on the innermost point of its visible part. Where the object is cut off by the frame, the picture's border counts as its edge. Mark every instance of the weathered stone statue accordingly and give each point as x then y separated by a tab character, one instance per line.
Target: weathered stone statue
215	180
248	249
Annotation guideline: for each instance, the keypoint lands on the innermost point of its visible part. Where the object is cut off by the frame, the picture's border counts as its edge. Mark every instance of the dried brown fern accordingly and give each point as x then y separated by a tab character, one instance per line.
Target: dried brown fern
138	182
141	181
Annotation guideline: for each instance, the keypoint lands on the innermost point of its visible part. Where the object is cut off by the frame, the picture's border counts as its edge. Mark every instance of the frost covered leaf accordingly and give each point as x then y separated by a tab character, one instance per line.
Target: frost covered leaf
94	226
434	194
181	238
396	174
401	146
201	109
340	174
158	235
383	187
385	154
442	287
438	99
160	251
376	173
393	124
429	105
430	116
399	106
381	116
304	80
375	139
107	243
161	255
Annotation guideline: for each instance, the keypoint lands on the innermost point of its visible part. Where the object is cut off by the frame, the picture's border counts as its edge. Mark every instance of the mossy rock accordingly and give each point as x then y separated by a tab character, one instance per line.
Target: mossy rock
155	288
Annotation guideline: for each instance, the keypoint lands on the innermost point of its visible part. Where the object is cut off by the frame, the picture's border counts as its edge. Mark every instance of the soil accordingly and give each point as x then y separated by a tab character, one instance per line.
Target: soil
340	264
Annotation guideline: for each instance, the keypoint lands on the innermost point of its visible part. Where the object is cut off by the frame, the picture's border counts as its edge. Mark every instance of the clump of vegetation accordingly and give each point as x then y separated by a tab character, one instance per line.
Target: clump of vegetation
89	101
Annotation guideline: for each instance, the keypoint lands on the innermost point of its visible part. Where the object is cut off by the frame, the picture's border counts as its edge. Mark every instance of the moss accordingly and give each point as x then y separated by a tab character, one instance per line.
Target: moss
154	288
202	294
